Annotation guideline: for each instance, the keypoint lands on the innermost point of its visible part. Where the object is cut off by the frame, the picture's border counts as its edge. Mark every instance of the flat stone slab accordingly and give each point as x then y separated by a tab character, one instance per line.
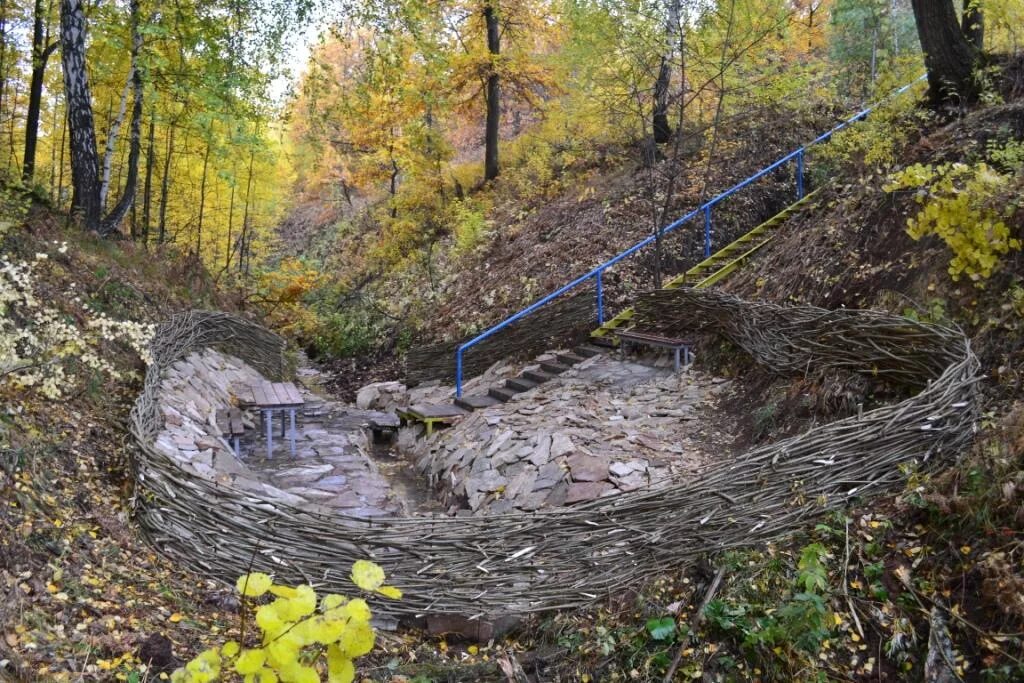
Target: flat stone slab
387	421
478	401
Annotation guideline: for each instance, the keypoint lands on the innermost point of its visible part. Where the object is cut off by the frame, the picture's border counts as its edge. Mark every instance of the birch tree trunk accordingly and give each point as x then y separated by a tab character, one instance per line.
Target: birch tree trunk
85	164
127	200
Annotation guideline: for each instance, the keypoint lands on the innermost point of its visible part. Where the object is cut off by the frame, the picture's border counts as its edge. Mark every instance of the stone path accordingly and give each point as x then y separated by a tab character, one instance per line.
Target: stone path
604	427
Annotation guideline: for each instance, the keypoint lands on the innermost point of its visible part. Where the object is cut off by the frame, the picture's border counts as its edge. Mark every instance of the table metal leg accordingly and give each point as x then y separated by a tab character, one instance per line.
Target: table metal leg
268	419
291	417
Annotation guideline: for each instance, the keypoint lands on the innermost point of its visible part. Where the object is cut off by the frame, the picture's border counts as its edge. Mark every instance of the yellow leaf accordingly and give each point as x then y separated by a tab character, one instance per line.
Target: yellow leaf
339	667
175	618
472	649
230	648
357	640
250	661
254	585
367	575
390	592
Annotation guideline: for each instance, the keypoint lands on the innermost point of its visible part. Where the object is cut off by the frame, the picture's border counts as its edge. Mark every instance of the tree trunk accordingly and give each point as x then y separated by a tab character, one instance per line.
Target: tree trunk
117	214
245	213
659	124
60	164
228	246
202	201
115	130
53	147
147	186
493	93
949	56
40	56
85	163
165	186
973	24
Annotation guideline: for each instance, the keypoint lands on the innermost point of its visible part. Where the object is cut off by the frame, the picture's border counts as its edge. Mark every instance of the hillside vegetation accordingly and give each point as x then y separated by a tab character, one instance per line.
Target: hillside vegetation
432	168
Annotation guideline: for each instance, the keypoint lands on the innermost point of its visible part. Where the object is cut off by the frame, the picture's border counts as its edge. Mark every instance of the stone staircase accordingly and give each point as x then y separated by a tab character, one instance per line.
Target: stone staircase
529	379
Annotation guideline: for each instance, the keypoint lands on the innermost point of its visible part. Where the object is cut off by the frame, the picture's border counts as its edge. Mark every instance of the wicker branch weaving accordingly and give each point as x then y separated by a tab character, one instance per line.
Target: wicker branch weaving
563	558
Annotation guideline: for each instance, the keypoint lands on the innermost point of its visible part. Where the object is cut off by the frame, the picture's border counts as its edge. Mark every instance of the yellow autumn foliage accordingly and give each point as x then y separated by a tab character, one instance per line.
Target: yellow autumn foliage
298	642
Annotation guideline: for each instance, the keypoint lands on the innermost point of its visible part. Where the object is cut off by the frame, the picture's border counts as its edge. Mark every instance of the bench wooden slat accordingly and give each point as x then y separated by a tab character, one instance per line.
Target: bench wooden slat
277	395
229	421
651	337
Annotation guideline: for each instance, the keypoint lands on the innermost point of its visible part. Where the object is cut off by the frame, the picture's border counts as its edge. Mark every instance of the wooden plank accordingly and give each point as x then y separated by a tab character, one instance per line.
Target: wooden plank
259	394
223	422
646	337
436	412
235	418
287	394
294	393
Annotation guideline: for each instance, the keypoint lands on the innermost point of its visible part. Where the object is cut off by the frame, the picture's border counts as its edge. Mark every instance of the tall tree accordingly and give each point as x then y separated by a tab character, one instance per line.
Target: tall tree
42	48
86	203
659	124
85	161
493	94
948	54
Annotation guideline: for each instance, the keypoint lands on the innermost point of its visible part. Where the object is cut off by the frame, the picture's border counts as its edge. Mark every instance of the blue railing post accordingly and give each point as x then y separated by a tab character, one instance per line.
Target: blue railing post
600	298
707	230
458	372
800	174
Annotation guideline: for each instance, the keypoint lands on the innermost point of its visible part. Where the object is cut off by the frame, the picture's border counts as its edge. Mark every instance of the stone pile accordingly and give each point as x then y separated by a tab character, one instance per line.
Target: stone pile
605	427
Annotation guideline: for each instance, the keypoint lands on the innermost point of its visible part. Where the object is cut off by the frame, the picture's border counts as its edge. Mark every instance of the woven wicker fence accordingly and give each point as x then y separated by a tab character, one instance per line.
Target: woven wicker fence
508	564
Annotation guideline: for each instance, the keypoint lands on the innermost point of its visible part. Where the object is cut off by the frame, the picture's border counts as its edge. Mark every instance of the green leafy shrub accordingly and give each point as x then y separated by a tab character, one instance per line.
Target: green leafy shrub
297	640
470	226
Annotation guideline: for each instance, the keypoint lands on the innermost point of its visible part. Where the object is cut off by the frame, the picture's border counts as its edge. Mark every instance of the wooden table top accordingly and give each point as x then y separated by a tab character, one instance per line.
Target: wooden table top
277	395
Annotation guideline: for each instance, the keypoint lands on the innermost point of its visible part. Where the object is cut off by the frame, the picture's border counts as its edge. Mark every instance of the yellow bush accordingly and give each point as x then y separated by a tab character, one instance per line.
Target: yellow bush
295	634
962	205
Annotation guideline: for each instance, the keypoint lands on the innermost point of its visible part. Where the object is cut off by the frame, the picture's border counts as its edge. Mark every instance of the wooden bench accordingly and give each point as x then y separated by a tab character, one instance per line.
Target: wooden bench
657	340
231	427
431	415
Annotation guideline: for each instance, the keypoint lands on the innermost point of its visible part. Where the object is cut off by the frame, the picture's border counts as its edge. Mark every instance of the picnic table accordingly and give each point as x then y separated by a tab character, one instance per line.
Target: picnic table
271	397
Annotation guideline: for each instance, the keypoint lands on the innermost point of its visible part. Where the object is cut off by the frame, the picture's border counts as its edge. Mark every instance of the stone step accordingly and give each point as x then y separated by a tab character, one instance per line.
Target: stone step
588	350
570	358
553	368
520	384
476	402
538	376
501	393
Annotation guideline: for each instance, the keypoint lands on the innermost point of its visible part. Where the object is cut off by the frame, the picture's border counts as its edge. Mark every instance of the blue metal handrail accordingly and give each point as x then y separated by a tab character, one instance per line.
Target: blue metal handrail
597	273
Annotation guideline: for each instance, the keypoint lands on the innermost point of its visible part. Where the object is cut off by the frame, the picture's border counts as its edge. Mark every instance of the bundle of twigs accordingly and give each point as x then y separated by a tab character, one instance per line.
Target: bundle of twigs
550	559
